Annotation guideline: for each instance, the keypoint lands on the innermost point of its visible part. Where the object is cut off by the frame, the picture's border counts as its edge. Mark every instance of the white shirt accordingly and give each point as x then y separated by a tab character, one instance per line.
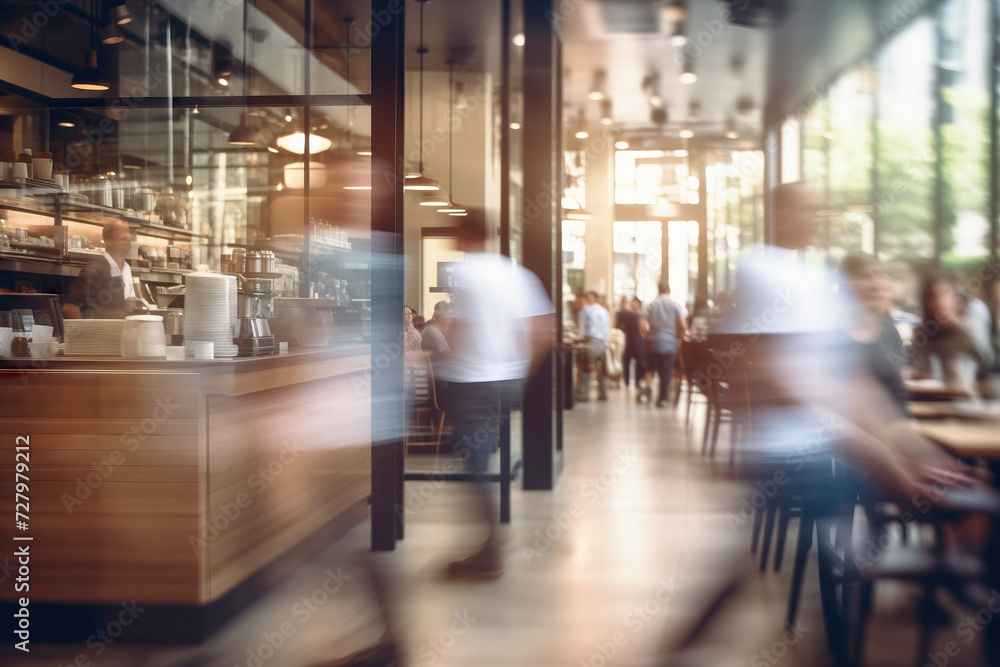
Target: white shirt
594	322
125	272
492	301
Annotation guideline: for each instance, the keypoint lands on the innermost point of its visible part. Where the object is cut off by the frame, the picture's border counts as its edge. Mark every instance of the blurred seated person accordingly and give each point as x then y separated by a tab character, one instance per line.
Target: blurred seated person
434	337
100	290
699	319
945	346
419	323
410	333
872	327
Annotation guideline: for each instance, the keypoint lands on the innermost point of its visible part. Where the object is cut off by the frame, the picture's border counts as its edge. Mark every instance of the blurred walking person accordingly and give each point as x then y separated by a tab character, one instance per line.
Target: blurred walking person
501	331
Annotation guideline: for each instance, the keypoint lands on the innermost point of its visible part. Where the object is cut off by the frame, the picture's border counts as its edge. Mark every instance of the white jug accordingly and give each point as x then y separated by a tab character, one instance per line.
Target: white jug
143	337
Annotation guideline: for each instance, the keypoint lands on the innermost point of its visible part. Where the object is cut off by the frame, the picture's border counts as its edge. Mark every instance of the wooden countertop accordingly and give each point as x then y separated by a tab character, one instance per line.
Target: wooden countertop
220	366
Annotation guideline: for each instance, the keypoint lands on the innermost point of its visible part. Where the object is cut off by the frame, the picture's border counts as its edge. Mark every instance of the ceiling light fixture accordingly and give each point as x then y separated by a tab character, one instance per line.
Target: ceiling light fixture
736	71
606	118
90	77
673	12
243	134
518	39
421	182
677	37
731	132
67	123
621	145
365	153
686	133
288	115
515	126
111	35
688	76
296	143
449	206
694	109
655	101
597	87
120	15
436	200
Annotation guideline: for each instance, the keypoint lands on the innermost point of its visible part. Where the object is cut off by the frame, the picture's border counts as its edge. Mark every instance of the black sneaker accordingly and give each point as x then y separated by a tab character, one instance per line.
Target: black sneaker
380	654
485	564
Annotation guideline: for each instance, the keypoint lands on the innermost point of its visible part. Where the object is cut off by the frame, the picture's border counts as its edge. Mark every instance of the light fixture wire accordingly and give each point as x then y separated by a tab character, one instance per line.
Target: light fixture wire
422	50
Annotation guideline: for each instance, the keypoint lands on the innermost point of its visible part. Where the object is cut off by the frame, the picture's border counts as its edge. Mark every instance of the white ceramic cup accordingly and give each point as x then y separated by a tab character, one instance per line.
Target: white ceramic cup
176	352
6	336
19	170
44	350
41	333
199	349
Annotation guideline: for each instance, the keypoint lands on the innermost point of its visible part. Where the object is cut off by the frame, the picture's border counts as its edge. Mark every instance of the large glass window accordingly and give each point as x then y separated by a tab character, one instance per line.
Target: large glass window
905	171
965	130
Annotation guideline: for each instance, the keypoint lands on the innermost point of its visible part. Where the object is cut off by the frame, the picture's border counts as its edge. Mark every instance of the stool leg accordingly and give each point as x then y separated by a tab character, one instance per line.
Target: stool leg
758	521
779	546
798	574
765	550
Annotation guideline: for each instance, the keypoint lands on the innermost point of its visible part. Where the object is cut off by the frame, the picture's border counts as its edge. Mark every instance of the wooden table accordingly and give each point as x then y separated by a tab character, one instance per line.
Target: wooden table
922	410
934	390
969	439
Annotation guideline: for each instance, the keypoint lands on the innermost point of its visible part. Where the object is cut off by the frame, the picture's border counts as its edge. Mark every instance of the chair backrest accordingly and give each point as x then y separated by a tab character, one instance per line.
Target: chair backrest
418	379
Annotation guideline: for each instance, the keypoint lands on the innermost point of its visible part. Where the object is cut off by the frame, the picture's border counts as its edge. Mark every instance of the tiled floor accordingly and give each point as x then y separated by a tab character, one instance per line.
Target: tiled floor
605	570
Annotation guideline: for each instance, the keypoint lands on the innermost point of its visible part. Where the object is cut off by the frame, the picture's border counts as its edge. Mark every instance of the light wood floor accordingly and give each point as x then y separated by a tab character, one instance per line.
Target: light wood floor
648	541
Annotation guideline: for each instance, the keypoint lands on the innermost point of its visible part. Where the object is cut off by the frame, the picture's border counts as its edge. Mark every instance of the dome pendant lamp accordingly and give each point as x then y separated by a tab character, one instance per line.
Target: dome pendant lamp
449	205
243	134
419	181
90	77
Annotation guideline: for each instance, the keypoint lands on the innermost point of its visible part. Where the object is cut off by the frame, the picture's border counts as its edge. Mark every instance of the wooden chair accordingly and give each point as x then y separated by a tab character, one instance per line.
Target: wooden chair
426	418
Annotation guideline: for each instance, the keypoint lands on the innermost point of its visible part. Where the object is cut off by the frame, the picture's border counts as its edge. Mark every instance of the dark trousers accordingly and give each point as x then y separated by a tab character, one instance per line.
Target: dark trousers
638	353
475	410
663	364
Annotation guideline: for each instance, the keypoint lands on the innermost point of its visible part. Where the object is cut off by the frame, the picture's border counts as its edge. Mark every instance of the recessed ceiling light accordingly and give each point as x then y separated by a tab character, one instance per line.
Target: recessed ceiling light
582	134
66	123
621	145
686	133
515	126
518	39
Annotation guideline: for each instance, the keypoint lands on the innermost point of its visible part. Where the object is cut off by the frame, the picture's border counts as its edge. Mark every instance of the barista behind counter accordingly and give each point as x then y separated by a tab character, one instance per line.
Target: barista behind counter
99	292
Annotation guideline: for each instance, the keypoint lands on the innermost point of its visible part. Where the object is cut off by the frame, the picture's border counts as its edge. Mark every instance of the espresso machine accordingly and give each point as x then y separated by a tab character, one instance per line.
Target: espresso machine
255	306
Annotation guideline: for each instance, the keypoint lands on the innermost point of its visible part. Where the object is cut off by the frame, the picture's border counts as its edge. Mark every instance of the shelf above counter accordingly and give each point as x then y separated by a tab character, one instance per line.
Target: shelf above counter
61	205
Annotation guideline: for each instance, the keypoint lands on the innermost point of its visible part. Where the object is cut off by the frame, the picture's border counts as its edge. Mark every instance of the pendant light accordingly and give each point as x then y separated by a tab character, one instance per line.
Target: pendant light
120	15
419	181
449	205
90	77
243	134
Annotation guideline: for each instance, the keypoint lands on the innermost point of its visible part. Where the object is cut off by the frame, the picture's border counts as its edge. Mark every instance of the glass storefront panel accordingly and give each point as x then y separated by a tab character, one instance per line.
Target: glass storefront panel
905	168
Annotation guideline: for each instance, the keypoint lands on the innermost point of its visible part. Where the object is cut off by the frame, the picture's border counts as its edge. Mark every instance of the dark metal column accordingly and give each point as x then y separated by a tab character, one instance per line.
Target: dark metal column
702	215
542	193
388	411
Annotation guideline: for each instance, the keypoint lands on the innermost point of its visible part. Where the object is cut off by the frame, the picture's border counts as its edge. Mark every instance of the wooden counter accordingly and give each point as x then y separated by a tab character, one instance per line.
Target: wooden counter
172	483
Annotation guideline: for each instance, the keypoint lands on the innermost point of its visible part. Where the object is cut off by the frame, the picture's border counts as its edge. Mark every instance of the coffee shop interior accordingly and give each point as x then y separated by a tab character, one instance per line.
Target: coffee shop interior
238	463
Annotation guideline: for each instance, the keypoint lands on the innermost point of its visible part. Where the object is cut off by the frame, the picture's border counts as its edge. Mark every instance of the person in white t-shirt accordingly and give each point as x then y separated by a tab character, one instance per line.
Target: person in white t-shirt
595	327
501	331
